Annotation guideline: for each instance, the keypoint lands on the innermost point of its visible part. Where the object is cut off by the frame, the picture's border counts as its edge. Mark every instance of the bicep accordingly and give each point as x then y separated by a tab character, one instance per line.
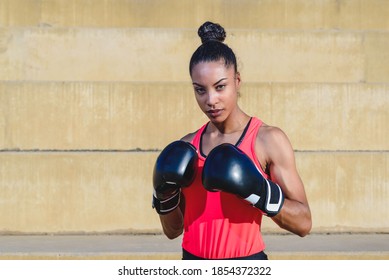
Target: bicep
283	169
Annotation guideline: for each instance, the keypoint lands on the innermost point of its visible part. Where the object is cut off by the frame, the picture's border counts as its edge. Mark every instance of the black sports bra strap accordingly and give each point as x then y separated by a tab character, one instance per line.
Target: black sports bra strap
237	143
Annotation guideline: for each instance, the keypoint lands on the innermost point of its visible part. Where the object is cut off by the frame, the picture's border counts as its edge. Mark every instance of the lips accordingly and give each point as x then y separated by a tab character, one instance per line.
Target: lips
214	113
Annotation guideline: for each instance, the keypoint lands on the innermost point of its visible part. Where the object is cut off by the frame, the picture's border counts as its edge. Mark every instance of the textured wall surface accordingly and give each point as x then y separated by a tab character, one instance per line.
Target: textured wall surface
91	91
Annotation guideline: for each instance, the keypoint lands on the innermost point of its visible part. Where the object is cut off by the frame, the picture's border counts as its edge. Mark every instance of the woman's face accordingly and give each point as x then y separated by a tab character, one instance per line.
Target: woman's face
216	89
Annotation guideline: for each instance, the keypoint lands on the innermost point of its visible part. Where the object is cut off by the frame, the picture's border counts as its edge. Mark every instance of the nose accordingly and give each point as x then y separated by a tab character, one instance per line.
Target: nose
212	98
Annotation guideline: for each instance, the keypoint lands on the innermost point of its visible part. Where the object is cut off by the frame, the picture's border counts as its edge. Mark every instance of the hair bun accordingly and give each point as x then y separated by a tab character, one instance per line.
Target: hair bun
211	31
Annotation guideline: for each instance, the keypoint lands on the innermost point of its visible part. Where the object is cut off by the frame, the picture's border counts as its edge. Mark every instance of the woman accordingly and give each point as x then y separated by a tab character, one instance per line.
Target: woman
221	224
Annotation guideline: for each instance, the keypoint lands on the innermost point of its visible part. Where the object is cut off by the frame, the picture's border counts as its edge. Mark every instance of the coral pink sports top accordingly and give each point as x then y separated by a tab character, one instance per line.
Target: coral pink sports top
219	225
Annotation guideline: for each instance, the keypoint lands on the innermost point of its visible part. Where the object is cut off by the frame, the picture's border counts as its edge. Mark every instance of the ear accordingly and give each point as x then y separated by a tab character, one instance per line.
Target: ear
237	80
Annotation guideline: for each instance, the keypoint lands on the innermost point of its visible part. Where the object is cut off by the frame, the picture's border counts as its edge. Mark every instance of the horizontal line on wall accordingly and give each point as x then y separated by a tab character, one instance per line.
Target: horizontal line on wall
77	150
138	150
341	151
183	83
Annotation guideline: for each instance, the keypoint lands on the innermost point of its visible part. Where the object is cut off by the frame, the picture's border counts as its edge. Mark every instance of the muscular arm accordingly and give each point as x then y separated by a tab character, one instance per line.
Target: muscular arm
295	215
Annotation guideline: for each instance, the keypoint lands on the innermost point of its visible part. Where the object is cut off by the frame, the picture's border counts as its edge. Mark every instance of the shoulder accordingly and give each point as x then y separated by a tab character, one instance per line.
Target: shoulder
271	135
189	137
273	143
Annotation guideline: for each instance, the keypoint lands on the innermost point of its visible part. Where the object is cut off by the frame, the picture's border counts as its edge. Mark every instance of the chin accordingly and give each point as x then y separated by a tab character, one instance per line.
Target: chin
217	120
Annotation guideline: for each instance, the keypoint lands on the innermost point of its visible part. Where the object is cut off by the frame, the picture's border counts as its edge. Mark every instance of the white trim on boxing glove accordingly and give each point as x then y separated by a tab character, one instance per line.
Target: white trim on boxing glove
273	207
267	207
253	198
167	205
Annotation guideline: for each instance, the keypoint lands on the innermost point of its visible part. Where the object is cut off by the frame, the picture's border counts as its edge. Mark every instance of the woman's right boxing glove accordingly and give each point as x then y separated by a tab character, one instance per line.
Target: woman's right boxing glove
175	168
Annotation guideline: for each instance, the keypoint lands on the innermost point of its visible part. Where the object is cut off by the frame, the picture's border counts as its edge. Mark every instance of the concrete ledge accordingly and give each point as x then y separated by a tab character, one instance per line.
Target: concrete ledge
112	247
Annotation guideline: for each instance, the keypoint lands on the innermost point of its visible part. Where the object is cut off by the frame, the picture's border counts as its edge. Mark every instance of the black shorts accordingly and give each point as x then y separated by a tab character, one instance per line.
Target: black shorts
258	256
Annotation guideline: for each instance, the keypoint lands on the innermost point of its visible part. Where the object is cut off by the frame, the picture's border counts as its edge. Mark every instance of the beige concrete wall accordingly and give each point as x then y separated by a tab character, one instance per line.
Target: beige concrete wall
347	191
76	192
129	116
73	192
264	14
91	91
76	54
102	116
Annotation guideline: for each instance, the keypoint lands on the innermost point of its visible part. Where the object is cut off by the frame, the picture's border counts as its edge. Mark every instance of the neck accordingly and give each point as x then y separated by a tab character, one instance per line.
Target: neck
234	123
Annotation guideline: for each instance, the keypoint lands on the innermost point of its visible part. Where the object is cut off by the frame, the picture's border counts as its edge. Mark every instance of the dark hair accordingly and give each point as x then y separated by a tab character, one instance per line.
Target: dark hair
212	48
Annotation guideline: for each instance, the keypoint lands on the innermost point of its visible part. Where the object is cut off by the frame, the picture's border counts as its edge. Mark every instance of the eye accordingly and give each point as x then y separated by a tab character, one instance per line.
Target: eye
199	90
220	87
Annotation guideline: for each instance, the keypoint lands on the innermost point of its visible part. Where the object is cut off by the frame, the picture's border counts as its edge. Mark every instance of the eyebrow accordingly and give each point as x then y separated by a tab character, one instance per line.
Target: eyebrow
222	79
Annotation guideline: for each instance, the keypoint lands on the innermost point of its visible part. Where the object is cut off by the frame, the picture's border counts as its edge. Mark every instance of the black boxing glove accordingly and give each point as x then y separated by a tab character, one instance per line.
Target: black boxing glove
228	169
174	168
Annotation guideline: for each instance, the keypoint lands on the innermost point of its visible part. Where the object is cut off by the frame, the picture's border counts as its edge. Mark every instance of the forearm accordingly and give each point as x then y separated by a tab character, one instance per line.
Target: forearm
294	217
172	223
